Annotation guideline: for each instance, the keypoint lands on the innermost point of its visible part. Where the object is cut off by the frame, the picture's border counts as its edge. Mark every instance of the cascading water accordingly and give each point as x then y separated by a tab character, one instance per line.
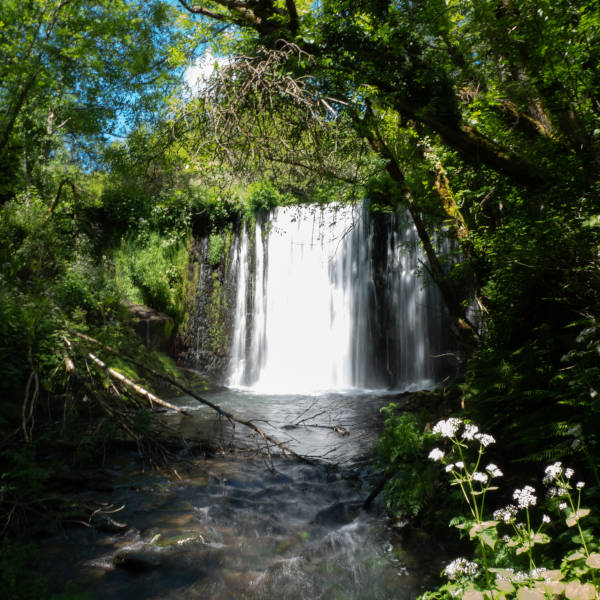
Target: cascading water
323	304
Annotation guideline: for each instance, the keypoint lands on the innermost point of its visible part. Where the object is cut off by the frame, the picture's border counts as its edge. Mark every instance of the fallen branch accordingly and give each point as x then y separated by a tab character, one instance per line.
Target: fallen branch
335	428
185	390
138	388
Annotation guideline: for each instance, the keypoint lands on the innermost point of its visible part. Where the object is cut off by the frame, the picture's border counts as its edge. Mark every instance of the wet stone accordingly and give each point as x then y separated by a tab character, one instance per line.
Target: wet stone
136	561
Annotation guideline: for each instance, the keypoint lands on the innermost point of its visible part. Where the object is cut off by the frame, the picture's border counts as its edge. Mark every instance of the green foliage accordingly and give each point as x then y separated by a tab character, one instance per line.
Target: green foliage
23	477
20	582
215	249
401	451
151	270
75	70
17	580
263	196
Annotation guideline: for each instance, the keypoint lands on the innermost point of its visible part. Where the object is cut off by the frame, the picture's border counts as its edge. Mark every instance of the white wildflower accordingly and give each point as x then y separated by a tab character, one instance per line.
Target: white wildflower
505	574
569	473
481	477
460	465
561	490
552	492
545	519
460	567
485	439
436	454
506	514
493	470
449	467
447	428
525	497
552	472
580	485
506	539
562	506
470	431
539	573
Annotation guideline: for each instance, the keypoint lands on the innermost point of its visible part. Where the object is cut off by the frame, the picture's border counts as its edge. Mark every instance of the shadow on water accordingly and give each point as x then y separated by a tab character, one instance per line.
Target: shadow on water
241	526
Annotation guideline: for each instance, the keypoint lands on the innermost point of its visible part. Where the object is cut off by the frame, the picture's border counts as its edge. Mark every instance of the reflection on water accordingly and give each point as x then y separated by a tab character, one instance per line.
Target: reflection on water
237	527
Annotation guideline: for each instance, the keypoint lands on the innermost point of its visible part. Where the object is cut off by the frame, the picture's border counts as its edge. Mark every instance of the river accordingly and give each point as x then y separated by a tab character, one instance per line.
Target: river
244	524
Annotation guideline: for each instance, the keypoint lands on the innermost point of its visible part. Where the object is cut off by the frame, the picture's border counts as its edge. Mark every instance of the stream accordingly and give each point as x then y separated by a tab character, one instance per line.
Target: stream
247	525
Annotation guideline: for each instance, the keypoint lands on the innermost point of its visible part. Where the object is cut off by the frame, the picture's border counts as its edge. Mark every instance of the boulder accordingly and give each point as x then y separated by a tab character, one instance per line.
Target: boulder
155	328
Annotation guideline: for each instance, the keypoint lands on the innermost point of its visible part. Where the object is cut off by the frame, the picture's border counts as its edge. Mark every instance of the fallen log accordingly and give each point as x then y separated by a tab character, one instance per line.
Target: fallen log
266	437
138	388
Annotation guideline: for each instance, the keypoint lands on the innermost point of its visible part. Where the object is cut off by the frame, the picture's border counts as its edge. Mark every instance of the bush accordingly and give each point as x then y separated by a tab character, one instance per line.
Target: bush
412	477
151	271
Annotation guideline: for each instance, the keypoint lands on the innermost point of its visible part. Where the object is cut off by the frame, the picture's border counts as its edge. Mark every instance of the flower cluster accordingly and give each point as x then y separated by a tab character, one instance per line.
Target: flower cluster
493	470
448	428
460	567
436	454
525	497
552	472
470	431
507	514
485	439
481	477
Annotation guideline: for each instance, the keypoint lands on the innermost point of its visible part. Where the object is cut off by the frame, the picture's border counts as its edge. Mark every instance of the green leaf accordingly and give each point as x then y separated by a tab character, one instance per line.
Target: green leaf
574	517
479	527
540	538
593	560
575	556
505	586
529	594
488	539
473	595
576	590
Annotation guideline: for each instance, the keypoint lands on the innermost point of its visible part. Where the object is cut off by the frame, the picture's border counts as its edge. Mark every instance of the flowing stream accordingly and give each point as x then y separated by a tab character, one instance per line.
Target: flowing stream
245	526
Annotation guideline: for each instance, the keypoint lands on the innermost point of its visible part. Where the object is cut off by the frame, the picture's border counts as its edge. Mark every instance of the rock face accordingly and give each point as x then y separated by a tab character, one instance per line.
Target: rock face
205	337
155	328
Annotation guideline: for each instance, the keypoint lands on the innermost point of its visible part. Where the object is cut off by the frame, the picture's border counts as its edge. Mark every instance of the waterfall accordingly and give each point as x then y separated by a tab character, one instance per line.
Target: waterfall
330	299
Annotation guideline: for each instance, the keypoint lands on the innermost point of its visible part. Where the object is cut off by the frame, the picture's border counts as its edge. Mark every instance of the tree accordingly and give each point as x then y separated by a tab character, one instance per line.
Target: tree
74	72
488	83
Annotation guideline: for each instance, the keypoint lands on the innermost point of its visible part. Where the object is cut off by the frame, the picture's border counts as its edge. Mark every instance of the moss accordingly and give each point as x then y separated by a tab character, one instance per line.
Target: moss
217	317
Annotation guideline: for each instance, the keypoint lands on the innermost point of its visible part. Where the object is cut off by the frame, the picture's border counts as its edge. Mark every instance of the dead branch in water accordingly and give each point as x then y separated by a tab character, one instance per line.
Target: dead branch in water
266	437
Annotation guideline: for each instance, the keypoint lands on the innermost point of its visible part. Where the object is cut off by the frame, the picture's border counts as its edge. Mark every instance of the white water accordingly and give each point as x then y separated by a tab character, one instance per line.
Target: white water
309	319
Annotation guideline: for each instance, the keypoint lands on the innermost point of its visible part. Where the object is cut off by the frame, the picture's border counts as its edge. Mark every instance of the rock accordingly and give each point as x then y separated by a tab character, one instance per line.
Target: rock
136	561
155	328
177	540
108	524
338	513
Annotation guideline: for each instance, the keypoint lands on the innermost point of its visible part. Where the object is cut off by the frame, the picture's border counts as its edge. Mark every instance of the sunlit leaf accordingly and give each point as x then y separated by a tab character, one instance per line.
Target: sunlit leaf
575	590
593	560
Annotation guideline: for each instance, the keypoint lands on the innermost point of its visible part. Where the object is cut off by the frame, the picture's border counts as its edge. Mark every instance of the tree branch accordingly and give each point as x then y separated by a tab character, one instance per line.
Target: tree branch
285	449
